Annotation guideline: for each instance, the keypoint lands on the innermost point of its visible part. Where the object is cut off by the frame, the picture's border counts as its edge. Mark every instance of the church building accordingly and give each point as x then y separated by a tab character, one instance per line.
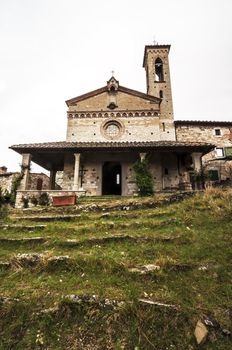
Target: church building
110	128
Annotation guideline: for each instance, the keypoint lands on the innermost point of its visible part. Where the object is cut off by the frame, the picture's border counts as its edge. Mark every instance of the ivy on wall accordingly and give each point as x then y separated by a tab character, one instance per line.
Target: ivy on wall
16	183
143	177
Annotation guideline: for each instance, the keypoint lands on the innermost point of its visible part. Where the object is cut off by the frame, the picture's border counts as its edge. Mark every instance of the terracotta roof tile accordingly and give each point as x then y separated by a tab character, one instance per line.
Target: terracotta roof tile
203	122
109	144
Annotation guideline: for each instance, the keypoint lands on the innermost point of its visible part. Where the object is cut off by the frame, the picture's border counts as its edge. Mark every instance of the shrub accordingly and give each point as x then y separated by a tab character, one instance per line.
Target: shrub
25	201
34	201
143	177
44	199
5	197
3	212
16	183
1	197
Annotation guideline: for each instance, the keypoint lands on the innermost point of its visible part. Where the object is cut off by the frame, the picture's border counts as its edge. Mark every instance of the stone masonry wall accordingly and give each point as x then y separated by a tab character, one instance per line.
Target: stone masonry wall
7	179
163	167
33	179
154	87
140	119
132	129
124	101
206	133
68	174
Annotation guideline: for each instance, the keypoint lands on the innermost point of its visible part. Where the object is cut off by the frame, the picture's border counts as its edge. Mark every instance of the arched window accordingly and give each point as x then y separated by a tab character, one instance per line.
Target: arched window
159	76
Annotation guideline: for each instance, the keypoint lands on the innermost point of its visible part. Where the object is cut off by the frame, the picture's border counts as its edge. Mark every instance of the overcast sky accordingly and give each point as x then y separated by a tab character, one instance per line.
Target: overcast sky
53	50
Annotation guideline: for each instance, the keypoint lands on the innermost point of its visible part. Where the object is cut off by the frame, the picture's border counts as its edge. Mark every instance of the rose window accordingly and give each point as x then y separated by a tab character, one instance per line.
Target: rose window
112	130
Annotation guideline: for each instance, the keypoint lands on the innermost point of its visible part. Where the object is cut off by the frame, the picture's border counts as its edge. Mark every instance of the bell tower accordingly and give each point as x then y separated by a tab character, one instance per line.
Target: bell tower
156	64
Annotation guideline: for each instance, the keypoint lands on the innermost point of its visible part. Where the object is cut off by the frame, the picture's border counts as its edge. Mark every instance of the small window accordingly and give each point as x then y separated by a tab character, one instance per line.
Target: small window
161	94
163	126
112	105
217	132
213	175
219	152
118	179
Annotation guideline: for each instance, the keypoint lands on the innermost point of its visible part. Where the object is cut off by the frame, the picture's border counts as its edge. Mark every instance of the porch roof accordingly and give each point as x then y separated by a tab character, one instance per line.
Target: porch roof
50	155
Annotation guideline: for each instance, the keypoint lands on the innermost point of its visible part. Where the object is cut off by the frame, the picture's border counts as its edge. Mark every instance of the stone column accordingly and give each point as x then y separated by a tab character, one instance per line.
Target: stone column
199	179
76	171
52	180
196	157
26	161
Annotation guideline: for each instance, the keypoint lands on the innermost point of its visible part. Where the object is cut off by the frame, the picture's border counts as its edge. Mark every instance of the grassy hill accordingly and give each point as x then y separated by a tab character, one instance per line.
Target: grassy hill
118	273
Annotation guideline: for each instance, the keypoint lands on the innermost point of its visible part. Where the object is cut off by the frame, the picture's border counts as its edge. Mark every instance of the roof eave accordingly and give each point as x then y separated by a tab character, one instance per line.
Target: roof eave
87	95
101	146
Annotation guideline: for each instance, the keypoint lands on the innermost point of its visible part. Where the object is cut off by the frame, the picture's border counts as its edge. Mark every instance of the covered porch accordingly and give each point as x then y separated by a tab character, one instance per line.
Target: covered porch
107	167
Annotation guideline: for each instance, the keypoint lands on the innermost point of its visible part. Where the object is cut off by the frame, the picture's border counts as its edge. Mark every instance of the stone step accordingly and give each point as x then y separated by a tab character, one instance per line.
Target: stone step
51	218
22	227
116	238
28	260
109	206
150	302
151	268
4	265
138	224
49	263
23	240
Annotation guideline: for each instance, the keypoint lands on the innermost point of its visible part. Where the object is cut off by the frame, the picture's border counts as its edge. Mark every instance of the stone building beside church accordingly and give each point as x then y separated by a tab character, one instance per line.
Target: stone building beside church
36	181
110	128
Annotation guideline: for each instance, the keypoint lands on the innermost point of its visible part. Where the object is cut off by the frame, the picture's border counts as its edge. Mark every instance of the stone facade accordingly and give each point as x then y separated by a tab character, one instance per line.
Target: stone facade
219	134
111	128
156	64
138	115
132	129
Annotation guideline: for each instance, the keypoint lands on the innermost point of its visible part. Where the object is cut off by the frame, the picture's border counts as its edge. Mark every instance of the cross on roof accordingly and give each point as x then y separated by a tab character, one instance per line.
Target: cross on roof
154	41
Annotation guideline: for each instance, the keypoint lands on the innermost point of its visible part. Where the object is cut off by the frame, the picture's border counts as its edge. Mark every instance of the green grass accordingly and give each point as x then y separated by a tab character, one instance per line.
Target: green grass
181	238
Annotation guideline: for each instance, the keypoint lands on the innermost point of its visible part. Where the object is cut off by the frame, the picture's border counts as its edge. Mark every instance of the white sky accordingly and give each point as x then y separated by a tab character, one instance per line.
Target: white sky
53	50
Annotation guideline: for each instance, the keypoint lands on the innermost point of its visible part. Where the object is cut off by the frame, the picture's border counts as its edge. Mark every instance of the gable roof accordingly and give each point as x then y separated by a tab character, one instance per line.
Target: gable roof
120	88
